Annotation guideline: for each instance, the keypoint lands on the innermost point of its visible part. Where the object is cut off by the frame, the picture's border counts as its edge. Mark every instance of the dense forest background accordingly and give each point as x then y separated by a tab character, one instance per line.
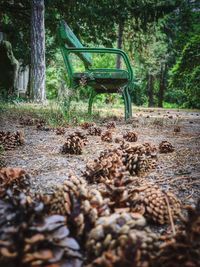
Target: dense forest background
161	37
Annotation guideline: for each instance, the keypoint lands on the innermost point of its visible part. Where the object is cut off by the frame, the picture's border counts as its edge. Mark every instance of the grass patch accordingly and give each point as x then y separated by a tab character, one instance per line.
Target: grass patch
59	114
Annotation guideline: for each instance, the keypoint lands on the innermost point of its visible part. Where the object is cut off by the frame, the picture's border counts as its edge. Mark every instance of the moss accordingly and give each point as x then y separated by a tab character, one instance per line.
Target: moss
8	67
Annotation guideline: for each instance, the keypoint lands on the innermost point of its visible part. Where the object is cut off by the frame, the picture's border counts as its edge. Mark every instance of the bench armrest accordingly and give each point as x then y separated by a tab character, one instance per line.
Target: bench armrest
108	51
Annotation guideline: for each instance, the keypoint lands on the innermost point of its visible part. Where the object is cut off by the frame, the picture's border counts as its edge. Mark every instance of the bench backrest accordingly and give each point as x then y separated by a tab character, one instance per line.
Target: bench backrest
69	39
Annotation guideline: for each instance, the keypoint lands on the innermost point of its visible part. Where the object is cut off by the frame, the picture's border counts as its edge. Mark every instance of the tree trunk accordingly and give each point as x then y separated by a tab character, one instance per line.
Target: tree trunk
150	90
162	85
38	67
119	43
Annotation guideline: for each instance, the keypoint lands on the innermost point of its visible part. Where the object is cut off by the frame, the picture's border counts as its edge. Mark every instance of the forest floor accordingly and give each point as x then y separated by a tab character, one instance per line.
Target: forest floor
178	171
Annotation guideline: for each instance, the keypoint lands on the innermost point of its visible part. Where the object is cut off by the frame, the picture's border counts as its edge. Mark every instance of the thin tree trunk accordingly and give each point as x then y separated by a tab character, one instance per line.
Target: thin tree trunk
119	43
150	90
38	67
161	86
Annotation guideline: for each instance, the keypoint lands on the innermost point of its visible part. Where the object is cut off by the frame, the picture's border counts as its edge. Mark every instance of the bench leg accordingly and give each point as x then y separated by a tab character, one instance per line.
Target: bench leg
91	99
127	103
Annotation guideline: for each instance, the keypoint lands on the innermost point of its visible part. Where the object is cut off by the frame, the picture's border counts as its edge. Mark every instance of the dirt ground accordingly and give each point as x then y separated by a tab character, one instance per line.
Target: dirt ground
178	171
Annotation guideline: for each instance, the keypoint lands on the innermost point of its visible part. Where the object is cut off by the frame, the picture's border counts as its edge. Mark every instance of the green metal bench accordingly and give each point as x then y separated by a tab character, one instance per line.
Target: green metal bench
99	80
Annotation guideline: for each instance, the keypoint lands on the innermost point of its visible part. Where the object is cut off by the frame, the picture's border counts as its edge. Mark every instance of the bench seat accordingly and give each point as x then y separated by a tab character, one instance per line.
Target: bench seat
102	80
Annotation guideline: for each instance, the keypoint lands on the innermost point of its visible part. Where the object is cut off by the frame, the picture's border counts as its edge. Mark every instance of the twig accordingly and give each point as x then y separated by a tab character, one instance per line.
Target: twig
176	179
190	194
170	215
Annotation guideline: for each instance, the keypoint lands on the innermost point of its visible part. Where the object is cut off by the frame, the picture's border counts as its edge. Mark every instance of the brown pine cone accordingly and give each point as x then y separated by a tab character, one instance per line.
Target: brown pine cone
130	136
183	249
29	237
150	150
119	140
60	130
27	121
120	240
94	131
9	140
15	179
107	168
106	136
152	202
111	125
138	159
135	159
43	127
82	205
74	144
166	147
87	125
177	129
64	195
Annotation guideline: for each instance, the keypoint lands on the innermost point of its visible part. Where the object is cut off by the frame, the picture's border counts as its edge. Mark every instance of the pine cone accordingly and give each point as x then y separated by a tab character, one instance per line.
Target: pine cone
27	121
152	202
30	238
90	209
94	131
43	127
10	140
119	140
177	129
183	250
166	147
130	136
111	125
15	179
106	136
81	204
107	168
62	199
74	144
120	240
150	150
137	158
60	130
87	125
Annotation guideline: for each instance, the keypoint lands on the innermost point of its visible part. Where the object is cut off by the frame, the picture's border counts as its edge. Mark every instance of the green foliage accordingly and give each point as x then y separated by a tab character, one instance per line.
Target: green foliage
55	76
185	74
156	32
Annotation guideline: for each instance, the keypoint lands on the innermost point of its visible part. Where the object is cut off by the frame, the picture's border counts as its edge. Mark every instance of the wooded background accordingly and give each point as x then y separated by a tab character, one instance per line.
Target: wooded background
161	37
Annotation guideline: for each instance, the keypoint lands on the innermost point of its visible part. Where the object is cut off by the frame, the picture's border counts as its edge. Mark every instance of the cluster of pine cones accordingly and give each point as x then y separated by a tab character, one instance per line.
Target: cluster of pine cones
31	237
102	214
107	220
29	121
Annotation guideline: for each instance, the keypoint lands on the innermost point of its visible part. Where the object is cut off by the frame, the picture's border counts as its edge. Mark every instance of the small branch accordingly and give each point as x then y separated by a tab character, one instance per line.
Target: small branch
170	215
